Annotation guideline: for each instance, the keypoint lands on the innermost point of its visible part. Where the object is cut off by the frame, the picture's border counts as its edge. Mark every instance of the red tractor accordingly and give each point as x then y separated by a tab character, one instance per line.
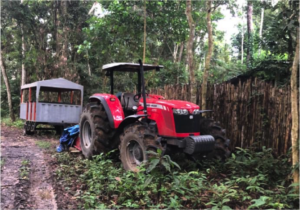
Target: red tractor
140	122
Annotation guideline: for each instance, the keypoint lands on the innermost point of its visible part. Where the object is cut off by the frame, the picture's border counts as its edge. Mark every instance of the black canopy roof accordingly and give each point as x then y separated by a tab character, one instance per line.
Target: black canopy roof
129	67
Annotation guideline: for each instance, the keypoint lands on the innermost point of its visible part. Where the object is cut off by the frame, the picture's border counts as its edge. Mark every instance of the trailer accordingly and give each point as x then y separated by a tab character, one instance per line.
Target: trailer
56	102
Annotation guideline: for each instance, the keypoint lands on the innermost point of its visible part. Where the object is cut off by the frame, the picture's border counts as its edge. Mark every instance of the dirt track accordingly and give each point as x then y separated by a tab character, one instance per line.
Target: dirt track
33	189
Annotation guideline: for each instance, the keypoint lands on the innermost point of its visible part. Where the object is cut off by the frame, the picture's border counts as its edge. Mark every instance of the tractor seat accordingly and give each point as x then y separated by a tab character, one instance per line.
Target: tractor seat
127	101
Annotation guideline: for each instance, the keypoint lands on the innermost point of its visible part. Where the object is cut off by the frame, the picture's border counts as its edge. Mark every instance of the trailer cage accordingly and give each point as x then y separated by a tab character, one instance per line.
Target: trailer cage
56	102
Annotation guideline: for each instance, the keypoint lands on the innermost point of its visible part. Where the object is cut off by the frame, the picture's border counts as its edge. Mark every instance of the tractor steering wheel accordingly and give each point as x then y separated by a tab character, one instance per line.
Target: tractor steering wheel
137	96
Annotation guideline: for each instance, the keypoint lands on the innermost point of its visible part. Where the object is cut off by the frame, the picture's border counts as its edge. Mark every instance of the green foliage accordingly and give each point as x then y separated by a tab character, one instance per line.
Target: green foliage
43	144
247	180
2	162
260	163
7	122
273	52
24	169
48	26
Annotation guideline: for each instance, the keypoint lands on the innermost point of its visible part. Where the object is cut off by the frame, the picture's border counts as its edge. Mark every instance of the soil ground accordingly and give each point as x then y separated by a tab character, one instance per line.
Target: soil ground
28	173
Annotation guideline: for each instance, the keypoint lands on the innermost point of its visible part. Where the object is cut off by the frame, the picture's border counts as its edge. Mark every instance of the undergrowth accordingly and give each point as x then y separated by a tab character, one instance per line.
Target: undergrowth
2	162
43	144
18	123
247	180
24	169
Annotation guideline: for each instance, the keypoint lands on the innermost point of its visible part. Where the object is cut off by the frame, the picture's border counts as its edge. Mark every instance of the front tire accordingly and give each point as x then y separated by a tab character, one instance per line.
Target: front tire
210	127
136	140
95	131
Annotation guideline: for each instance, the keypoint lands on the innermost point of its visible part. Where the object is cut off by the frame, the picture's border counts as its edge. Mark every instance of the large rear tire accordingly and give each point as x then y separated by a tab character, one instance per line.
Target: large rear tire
210	127
95	131
136	140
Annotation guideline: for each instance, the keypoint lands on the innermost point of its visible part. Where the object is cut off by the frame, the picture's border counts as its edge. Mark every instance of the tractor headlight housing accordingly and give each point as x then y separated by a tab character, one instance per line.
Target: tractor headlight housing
196	111
181	111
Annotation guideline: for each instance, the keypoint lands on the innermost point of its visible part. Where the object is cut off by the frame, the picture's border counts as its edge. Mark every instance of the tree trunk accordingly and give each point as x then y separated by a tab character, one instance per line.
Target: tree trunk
208	56
23	74
88	64
261	25
295	112
190	49
179	60
6	81
145	31
58	39
242	45
65	42
180	52
175	52
249	31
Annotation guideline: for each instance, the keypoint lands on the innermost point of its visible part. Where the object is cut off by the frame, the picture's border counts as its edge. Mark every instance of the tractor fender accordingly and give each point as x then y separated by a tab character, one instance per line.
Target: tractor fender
112	107
129	120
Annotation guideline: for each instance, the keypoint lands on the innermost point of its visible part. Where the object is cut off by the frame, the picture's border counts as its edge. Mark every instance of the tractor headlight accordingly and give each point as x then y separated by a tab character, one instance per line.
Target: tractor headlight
196	111
181	111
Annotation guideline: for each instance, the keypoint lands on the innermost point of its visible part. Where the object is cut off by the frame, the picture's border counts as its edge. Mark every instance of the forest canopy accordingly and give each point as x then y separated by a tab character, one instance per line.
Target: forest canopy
73	39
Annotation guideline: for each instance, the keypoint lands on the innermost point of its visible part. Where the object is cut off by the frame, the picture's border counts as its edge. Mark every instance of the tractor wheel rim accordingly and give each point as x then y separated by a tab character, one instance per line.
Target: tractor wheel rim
135	153
87	134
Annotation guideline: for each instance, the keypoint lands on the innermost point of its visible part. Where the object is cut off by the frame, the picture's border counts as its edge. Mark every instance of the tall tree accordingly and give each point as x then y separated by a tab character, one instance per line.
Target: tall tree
6	81
295	110
208	55
23	74
64	40
241	15
242	44
190	44
249	32
145	31
261	24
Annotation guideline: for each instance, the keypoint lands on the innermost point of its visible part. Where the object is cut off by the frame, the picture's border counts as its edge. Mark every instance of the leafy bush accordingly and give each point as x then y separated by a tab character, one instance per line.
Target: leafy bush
43	144
247	180
17	123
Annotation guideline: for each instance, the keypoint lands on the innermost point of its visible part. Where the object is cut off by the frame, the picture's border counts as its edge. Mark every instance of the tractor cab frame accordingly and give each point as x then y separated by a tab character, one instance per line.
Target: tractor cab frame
128	67
129	101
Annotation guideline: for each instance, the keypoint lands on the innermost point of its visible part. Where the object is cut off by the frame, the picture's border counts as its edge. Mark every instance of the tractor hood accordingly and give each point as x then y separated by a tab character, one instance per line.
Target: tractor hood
177	104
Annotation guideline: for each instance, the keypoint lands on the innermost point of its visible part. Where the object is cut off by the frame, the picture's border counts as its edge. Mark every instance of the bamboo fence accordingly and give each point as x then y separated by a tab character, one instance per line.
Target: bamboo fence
253	112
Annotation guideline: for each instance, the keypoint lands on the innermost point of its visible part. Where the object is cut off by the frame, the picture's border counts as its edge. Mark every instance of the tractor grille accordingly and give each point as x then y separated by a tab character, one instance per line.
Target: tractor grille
183	123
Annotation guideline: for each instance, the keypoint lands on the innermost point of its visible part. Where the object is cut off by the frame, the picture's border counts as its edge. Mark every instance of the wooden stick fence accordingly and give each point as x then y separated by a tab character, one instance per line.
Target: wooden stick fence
252	112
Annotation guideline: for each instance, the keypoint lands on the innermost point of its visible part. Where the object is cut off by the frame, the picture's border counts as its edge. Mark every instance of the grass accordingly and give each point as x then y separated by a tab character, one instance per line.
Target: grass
18	123
24	170
45	194
25	162
247	180
43	144
2	162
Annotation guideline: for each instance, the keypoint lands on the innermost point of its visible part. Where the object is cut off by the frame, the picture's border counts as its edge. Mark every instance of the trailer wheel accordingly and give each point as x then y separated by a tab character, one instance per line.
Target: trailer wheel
136	140
95	131
58	129
210	127
27	128
32	127
25	131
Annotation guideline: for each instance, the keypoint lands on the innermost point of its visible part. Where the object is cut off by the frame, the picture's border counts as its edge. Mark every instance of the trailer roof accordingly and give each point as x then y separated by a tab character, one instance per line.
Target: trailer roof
129	67
55	83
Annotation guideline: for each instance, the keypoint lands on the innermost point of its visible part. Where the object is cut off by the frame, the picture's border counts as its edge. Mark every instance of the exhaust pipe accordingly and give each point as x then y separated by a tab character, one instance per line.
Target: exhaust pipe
143	86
